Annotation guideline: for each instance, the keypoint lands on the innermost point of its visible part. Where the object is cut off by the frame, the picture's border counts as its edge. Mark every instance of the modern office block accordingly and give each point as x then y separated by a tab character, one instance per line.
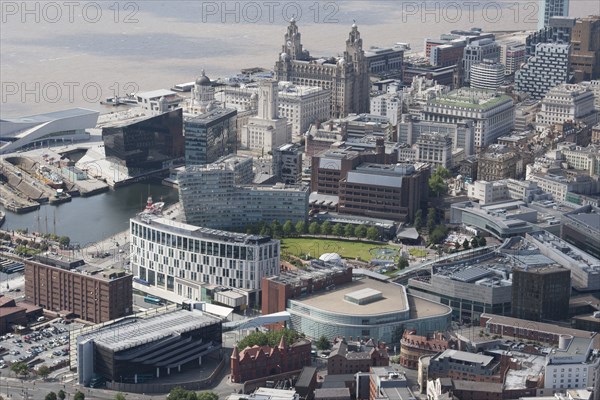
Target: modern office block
210	136
548	68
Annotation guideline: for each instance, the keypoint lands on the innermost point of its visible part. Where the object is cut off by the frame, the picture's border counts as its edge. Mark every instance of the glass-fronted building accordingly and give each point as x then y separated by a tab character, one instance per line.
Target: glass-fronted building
147	143
210	136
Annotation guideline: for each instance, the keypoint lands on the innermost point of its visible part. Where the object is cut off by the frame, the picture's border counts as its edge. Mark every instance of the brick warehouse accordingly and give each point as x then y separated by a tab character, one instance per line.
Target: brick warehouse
260	361
89	292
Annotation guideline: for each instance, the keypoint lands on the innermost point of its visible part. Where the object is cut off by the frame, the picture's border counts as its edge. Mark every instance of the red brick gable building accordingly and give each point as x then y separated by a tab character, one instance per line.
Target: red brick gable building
353	357
260	361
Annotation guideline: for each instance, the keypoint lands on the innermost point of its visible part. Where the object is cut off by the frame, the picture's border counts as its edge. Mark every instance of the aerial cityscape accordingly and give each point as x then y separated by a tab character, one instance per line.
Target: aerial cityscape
351	200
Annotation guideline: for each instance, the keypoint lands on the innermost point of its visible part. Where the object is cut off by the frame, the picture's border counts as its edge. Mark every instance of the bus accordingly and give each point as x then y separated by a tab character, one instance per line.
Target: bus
141	281
14	268
153	300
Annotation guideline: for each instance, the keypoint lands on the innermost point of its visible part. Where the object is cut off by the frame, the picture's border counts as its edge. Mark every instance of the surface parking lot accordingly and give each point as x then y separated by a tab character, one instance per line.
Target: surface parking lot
46	343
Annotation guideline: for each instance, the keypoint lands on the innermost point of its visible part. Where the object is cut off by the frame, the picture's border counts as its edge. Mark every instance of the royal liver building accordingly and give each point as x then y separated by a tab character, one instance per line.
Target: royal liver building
347	77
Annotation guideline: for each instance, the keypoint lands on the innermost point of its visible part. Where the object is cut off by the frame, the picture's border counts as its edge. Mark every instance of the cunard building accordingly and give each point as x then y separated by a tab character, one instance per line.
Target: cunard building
347	77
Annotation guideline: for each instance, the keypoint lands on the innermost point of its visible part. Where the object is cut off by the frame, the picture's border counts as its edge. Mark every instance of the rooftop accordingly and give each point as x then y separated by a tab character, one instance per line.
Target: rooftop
588	215
393	299
133	332
465	357
198	232
471	98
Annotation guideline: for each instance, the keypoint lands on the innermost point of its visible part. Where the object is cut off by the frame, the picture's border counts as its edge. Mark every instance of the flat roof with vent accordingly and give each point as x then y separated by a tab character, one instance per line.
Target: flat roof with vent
364	296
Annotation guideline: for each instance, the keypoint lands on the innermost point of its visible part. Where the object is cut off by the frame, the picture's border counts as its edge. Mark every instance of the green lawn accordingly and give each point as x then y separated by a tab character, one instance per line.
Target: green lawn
300	247
417	252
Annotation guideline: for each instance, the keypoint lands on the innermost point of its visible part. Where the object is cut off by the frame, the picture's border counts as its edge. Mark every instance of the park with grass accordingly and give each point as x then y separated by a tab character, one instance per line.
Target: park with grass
315	247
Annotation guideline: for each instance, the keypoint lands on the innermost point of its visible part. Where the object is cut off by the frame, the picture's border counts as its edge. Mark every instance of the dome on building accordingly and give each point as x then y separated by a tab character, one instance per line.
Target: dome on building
283	56
341	61
162	100
254	96
203	80
331	257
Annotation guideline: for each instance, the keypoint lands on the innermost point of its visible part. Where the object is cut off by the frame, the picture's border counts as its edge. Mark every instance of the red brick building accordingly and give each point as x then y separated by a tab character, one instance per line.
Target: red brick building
350	358
89	292
293	283
13	314
260	361
413	346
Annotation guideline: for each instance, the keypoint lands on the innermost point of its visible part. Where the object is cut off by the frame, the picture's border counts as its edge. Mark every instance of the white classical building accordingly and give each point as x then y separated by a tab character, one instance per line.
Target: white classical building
266	131
493	114
567	102
186	259
434	149
303	105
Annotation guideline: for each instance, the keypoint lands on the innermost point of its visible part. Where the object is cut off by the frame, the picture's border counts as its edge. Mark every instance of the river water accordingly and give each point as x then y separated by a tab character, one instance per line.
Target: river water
90	219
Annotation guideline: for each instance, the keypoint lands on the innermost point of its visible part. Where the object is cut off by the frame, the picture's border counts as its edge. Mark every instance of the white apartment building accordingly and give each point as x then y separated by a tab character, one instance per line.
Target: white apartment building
159	101
574	365
491	192
493	114
266	131
487	75
185	259
387	105
210	198
487	192
567	102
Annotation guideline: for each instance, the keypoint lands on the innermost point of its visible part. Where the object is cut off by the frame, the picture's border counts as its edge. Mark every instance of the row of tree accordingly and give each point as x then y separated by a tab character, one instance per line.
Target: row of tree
270	338
289	229
475	242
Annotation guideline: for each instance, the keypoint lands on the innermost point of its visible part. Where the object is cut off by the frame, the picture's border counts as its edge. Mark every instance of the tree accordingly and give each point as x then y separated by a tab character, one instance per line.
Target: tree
474	242
288	228
482	241
265	231
51	396
437	185
43	371
270	338
438	235
300	227
437	181
431	219
276	229
402	263
338	230
418	219
349	230
326	228
361	231
372	233
314	228
207	396
323	343
120	396
62	394
64	241
466	244
79	396
20	368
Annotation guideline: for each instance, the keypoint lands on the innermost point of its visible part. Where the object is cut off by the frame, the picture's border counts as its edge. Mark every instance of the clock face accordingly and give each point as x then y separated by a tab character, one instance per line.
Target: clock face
289	43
